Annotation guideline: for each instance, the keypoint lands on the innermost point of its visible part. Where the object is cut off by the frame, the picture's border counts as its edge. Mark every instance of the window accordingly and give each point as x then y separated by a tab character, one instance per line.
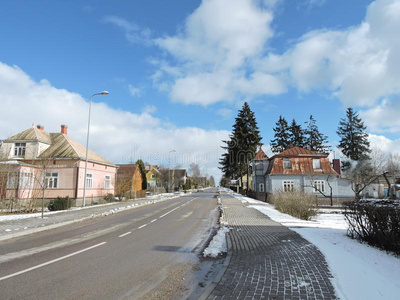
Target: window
261	187
51	180
107	181
288	185
316	163
152	176
12	180
319	186
19	149
286	163
26	180
89	180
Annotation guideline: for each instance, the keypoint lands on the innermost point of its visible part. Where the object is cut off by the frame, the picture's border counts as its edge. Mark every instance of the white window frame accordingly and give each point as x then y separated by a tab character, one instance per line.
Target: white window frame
286	163
51	179
26	180
89	180
319	186
19	149
261	187
288	185
316	163
153	176
107	181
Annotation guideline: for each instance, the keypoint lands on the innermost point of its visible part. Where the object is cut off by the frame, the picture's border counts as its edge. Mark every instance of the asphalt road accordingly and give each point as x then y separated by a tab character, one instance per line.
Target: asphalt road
144	253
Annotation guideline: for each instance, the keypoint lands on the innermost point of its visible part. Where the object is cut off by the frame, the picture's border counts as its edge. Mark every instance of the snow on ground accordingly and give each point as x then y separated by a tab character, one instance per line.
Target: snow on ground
218	244
359	271
156	198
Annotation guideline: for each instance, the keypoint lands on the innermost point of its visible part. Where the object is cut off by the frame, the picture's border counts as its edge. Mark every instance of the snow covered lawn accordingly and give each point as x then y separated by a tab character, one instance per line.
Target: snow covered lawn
359	271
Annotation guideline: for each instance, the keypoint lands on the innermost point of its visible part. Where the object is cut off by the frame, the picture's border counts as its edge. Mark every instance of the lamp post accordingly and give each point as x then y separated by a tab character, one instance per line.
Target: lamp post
87	146
169	177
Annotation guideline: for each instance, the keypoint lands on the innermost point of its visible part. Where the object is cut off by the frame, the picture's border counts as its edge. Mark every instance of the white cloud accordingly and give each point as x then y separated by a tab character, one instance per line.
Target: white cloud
133	33
384	144
149	109
134	91
383	117
119	136
225	112
360	65
213	50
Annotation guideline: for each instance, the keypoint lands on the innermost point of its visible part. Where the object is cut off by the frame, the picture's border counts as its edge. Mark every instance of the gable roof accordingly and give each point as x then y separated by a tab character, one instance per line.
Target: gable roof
31	134
260	155
127	169
180	173
62	146
301	163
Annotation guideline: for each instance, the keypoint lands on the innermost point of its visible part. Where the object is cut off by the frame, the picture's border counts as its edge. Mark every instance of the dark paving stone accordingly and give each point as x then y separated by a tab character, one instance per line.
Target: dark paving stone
270	261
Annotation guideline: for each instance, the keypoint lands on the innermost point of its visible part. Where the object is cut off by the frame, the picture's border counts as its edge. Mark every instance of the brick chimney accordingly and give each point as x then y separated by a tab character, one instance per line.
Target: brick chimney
64	129
40	127
337	166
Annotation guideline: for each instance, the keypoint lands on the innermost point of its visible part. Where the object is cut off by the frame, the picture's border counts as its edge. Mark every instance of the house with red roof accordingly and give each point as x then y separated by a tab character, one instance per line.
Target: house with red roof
301	169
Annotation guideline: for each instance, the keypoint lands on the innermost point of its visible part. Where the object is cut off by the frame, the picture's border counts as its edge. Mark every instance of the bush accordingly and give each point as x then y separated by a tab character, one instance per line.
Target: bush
296	203
377	223
109	198
60	203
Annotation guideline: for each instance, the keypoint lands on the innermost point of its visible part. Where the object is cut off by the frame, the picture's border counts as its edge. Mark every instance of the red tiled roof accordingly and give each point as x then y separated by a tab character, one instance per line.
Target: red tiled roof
261	155
299	152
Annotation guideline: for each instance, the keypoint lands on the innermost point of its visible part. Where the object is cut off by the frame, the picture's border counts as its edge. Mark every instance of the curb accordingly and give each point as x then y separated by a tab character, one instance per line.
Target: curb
223	269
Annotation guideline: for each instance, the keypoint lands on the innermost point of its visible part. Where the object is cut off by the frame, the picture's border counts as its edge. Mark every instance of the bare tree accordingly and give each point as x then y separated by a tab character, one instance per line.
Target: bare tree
322	189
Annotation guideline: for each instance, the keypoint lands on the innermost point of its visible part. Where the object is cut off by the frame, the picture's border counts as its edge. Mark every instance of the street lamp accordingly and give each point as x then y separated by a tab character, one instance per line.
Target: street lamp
87	145
169	177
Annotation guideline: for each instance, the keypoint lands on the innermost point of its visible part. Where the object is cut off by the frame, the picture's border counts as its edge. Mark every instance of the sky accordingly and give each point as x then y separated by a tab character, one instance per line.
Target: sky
178	71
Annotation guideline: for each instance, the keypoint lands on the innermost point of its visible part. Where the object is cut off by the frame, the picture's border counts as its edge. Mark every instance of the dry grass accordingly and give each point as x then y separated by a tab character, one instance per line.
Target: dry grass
296	203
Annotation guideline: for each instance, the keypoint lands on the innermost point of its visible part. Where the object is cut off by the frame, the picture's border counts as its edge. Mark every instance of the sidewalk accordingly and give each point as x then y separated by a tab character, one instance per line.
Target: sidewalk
268	260
19	227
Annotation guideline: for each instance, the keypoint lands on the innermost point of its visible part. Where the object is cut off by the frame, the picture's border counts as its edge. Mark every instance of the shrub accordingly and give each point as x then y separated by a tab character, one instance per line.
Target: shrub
60	203
377	223
109	198
295	203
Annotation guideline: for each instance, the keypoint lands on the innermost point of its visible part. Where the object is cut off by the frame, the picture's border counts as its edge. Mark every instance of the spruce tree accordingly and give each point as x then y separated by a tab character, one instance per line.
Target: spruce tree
281	141
353	138
143	173
315	140
296	134
242	146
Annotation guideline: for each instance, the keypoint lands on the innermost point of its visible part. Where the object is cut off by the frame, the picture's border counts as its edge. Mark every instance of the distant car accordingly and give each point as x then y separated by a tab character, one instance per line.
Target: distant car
200	189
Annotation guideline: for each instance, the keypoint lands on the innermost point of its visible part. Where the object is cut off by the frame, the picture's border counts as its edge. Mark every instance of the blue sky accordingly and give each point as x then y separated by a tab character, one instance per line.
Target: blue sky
178	71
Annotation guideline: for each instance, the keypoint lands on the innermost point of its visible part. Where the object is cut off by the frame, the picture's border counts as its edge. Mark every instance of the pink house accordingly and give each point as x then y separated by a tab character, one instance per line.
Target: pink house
38	163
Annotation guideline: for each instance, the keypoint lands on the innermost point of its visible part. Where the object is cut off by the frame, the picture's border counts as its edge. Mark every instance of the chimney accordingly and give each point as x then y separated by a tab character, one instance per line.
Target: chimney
337	166
64	129
40	127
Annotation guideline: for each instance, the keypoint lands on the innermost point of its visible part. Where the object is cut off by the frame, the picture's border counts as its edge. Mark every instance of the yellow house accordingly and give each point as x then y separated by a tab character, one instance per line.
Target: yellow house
153	179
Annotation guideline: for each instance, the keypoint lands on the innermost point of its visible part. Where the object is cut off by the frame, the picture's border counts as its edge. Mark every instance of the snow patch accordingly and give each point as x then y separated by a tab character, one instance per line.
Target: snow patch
218	244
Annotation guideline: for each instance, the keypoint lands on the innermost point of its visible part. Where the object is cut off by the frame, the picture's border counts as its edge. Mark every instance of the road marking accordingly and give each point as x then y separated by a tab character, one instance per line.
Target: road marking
142	226
122	235
153	220
50	262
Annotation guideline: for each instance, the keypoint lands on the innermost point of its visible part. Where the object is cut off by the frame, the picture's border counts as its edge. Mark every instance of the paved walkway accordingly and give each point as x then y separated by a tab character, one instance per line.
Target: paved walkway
19	227
268	260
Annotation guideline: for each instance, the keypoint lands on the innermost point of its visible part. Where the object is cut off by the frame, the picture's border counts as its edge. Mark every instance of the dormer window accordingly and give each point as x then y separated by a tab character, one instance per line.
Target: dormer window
286	163
316	163
19	149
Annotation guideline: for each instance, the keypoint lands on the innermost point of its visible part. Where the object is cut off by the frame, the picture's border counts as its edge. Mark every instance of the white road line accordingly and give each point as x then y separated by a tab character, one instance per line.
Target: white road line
50	262
153	220
122	235
142	226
